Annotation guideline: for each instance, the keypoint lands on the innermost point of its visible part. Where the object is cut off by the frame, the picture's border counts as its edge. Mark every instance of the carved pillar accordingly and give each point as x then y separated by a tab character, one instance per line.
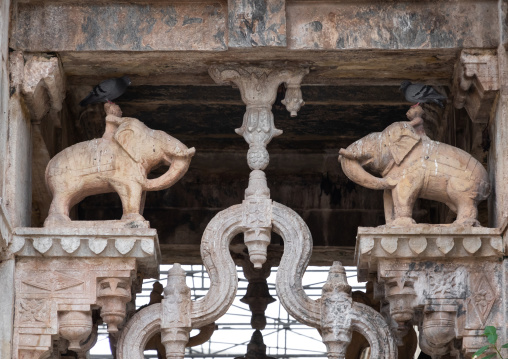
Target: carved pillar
258	87
176	320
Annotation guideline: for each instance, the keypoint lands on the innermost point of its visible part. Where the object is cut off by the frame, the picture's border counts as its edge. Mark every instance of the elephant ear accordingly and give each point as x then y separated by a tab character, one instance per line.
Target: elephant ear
126	137
402	138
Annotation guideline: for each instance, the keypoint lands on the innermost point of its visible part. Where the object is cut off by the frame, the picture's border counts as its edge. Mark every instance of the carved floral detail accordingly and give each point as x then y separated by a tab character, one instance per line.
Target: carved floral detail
482	297
34	311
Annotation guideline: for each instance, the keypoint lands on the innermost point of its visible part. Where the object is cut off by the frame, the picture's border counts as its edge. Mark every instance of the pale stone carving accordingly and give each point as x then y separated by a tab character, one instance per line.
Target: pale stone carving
223	284
119	161
55	296
334	313
449	290
258	87
112	295
476	83
412	166
74	326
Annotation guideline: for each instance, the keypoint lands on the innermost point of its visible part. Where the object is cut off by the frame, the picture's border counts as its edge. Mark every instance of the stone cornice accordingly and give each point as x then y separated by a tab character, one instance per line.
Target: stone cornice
139	243
424	242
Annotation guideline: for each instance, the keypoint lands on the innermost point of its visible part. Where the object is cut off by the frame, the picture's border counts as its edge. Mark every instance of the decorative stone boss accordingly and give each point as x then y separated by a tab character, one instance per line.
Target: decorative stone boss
119	161
413	166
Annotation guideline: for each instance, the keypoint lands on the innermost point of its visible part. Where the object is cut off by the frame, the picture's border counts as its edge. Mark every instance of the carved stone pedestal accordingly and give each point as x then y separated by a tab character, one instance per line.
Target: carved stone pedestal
446	280
64	275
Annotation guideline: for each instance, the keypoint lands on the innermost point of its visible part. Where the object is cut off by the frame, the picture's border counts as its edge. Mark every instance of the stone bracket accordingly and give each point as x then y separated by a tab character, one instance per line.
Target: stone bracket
476	83
42	82
55	296
139	243
258	86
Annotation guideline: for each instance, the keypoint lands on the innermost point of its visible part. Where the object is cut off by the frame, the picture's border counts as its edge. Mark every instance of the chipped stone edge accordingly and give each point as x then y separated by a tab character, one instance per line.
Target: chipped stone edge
139	243
436	242
5	229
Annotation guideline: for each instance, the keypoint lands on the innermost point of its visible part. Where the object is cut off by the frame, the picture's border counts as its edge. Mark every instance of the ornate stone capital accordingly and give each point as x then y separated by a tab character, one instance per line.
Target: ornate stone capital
258	87
41	80
476	83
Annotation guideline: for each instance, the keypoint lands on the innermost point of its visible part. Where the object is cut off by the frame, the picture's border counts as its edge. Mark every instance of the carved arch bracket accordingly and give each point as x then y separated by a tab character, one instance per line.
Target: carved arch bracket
476	83
223	285
335	314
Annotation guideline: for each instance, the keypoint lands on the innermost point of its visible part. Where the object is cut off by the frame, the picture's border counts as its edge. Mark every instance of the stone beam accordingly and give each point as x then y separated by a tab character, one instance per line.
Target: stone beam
216	26
115	27
256	23
394	25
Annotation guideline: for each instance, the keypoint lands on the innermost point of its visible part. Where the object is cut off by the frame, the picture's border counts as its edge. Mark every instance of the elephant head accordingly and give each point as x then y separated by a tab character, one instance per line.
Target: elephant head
150	148
378	152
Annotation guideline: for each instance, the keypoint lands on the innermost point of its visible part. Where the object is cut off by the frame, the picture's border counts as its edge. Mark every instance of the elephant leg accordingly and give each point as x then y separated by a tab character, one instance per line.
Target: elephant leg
130	195
467	213
58	211
404	196
388	206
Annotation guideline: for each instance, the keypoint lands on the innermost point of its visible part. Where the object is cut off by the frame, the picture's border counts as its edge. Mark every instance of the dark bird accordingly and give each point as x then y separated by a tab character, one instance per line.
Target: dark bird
420	93
107	91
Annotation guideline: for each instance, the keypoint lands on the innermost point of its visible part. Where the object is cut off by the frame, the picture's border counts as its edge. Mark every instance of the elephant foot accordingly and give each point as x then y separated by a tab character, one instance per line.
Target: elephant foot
467	222
132	217
402	222
55	219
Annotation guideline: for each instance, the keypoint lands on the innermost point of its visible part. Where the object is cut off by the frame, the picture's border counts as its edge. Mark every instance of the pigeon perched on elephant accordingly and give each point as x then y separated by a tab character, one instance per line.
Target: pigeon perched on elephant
413	166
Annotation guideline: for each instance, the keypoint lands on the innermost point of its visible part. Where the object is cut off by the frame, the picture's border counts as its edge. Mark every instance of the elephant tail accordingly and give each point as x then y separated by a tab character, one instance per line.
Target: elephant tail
46	178
484	190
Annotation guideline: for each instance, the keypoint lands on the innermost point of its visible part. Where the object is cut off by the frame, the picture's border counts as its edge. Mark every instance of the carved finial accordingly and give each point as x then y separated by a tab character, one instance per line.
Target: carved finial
112	109
176	278
293	100
337	279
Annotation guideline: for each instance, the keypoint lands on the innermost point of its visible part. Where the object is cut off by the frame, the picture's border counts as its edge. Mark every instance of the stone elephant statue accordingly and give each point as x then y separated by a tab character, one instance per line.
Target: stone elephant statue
413	166
118	162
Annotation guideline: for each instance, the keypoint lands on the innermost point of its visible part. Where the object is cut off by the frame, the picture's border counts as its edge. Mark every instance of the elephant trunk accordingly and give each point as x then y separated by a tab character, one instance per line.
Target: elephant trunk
356	173
179	165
